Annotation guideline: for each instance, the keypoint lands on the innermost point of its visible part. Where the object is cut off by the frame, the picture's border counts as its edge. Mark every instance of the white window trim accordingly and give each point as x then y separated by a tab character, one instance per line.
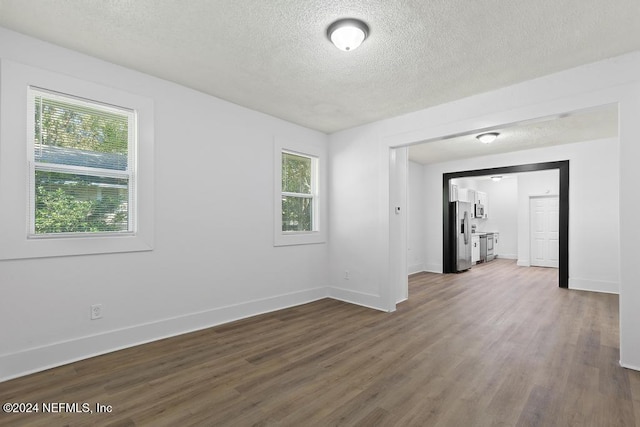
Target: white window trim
15	79
318	155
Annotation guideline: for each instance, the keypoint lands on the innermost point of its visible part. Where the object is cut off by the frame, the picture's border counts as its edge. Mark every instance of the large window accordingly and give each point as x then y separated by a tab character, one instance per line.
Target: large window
76	164
82	172
299	188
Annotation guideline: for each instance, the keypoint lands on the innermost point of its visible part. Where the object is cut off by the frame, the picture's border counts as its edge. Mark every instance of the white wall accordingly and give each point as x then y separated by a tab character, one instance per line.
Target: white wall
596	220
415	218
357	235
214	259
360	228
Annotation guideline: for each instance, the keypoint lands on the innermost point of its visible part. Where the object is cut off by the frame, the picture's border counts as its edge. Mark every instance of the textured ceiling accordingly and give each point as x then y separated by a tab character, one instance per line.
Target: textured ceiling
574	127
273	55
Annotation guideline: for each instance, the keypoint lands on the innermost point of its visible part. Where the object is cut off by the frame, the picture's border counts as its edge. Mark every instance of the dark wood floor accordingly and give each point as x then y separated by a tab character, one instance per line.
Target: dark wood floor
498	345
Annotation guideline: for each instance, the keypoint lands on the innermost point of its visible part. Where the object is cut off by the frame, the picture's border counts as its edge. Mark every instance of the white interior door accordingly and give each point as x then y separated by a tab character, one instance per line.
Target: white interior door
544	213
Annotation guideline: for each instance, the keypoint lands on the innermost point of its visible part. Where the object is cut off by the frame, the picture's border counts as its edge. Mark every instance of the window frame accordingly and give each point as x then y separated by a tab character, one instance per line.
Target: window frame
317	154
313	195
129	173
15	167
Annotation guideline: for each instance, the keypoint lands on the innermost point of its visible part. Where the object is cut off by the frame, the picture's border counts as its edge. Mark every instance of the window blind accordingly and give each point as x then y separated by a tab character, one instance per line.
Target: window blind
82	176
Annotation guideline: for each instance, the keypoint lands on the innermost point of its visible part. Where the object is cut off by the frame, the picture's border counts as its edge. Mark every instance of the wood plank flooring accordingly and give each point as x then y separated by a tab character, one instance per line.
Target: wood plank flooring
497	345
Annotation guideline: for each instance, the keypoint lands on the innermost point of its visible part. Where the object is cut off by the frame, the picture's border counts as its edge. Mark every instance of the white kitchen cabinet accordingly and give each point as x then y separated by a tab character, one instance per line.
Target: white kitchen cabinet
471	195
475	249
468	195
463	194
482	198
453	193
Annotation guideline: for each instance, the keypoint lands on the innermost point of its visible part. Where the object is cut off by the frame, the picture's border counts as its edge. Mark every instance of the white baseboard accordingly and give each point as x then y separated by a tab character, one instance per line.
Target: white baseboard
358	298
594	286
433	268
508	256
626	366
416	268
37	359
523	263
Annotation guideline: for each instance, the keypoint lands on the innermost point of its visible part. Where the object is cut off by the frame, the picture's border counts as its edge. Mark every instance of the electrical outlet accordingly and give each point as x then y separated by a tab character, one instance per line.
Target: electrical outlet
96	311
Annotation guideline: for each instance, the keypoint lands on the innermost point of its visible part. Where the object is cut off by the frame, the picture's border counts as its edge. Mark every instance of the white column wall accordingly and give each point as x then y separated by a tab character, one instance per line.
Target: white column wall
416	219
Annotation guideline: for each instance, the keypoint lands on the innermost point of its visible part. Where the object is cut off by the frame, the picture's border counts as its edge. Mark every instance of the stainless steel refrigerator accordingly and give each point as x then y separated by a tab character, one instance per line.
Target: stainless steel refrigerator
461	244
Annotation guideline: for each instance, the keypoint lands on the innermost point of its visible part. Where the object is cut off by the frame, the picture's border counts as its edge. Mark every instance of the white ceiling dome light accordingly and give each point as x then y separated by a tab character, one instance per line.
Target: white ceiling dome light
487	138
347	34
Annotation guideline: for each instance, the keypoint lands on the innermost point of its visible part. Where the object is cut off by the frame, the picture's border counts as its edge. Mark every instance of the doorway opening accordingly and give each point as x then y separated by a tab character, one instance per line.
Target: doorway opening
563	223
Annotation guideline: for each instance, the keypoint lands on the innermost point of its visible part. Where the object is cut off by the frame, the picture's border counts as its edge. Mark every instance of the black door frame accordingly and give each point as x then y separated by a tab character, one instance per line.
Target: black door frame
563	168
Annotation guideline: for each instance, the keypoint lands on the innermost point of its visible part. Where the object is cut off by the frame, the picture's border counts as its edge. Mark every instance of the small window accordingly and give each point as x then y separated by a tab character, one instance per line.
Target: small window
299	187
300	182
81	166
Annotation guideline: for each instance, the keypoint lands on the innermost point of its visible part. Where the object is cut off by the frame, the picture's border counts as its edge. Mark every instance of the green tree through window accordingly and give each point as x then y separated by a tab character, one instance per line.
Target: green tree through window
297	193
62	124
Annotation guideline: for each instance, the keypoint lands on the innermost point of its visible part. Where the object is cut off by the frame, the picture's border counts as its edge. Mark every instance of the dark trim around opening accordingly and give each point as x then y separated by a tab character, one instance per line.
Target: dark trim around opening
562	166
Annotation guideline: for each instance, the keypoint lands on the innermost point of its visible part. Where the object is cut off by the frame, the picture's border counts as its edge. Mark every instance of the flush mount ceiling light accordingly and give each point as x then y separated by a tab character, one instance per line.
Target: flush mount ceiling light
487	138
347	34
496	178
